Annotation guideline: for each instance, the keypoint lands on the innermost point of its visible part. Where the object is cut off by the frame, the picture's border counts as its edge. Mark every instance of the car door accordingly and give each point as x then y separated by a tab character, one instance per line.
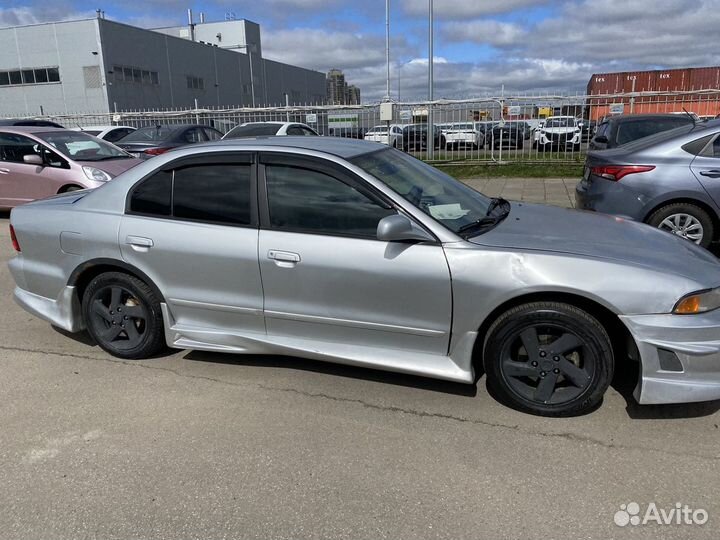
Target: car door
706	168
192	228
22	182
327	277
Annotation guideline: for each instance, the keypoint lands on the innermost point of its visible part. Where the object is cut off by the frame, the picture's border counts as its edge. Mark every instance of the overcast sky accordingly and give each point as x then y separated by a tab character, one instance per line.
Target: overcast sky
479	44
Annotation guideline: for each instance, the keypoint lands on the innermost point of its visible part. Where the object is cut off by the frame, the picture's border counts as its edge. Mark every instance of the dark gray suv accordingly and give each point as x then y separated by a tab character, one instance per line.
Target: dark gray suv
670	180
615	131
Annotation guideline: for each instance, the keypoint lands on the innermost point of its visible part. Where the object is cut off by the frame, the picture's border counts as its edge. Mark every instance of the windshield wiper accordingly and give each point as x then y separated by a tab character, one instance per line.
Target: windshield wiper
489	221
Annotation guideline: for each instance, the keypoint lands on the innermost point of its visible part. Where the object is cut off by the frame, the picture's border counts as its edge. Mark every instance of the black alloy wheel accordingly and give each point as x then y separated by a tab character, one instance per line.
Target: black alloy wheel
123	316
548	358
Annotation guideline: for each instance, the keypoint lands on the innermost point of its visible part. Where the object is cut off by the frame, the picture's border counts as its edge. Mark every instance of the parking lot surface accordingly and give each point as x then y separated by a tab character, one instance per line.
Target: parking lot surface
200	445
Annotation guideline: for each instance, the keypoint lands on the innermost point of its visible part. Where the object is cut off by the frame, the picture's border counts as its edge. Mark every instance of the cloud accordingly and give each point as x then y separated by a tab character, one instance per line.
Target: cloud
24	15
463	9
489	32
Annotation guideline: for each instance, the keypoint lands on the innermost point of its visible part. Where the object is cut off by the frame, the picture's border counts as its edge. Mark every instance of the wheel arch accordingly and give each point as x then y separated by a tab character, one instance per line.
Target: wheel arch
623	343
84	273
67	187
706	205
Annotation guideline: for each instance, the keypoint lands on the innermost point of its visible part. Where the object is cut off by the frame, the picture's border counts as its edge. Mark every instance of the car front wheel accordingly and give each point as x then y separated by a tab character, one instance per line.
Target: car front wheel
686	221
549	359
122	314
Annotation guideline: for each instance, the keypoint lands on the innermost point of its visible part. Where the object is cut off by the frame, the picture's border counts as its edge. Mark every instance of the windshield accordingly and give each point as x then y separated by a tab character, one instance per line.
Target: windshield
148	134
440	196
560	123
253	130
81	146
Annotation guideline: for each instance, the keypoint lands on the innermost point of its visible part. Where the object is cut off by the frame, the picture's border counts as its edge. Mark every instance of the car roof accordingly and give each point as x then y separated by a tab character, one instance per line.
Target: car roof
100	128
337	146
648	116
31	129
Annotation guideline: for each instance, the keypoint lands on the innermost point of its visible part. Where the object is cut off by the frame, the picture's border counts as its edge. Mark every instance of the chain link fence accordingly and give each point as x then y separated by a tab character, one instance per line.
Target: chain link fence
503	129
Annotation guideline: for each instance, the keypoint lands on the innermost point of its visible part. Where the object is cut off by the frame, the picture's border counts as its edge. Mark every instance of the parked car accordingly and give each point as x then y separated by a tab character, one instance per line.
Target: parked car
28	122
615	131
670	180
37	162
462	134
587	129
150	141
509	135
107	133
350	132
270	129
559	133
414	137
389	135
357	253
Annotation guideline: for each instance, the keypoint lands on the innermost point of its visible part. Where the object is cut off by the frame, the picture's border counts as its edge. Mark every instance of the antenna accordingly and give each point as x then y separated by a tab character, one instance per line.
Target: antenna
692	116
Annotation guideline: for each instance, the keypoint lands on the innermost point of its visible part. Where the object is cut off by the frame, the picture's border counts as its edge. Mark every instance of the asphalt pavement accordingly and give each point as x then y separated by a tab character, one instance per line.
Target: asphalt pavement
200	445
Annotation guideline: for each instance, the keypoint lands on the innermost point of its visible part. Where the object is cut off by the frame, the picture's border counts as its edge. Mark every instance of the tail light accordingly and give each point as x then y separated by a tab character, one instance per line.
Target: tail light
616	172
14	240
155	151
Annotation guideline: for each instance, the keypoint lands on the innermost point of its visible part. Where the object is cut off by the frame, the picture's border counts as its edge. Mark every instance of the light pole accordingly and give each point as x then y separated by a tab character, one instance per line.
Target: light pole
431	132
387	48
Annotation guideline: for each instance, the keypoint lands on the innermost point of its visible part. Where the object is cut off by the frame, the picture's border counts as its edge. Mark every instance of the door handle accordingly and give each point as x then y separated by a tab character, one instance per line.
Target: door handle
4	171
139	242
711	174
284	259
283	256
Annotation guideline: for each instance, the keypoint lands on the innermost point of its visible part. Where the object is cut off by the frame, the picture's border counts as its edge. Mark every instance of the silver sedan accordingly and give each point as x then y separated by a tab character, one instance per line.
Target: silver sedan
351	252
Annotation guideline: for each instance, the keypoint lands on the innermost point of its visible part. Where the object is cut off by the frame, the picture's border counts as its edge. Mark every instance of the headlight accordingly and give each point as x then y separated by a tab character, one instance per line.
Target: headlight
698	302
96	174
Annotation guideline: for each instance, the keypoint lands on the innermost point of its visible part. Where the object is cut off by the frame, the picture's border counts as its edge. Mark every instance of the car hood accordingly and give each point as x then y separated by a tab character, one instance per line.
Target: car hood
563	230
113	167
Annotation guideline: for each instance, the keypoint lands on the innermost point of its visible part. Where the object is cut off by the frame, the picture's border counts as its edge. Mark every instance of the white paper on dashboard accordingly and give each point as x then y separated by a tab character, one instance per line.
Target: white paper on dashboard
447	211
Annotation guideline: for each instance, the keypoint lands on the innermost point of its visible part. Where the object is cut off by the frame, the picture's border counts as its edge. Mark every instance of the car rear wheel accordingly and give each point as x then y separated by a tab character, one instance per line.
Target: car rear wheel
685	220
122	314
549	359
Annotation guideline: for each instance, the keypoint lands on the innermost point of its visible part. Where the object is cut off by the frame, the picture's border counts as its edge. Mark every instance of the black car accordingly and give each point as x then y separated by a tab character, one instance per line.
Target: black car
415	137
28	122
615	131
509	135
155	140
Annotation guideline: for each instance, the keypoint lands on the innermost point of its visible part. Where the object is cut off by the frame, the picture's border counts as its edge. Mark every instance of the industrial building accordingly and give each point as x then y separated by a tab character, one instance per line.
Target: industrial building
99	66
673	90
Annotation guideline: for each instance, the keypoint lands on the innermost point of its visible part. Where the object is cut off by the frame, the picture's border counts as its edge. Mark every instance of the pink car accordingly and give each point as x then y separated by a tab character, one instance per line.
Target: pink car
36	162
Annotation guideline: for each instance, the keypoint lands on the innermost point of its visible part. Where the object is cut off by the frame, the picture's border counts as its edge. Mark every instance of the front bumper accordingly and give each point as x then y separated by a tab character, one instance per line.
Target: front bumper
559	140
692	342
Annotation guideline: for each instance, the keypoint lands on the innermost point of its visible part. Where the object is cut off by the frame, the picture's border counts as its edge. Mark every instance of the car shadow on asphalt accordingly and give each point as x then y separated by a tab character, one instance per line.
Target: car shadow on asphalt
337	370
624	382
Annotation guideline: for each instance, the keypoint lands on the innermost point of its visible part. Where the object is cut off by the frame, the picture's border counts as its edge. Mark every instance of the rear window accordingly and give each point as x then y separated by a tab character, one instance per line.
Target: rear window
252	130
631	131
149	134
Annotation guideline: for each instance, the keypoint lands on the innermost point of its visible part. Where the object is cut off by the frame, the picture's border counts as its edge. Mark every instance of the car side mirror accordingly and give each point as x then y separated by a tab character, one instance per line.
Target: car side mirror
398	228
601	139
33	159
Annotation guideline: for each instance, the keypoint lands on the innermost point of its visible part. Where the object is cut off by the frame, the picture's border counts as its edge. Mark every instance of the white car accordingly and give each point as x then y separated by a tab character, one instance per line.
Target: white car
559	133
270	129
107	133
391	136
462	134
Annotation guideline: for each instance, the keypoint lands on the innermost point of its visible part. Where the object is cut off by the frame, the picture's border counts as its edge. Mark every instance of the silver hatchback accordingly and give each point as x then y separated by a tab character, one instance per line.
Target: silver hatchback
351	252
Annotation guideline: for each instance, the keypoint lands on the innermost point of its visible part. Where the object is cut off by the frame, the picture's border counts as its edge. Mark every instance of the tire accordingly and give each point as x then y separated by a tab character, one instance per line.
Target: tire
524	372
116	299
685	220
576	148
519	144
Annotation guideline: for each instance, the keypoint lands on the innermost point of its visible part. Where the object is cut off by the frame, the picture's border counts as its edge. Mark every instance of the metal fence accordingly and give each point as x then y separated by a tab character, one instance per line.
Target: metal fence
503	129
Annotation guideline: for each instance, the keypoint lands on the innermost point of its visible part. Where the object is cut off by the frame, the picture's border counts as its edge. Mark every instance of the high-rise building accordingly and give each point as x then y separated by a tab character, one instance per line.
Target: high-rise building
336	87
353	95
